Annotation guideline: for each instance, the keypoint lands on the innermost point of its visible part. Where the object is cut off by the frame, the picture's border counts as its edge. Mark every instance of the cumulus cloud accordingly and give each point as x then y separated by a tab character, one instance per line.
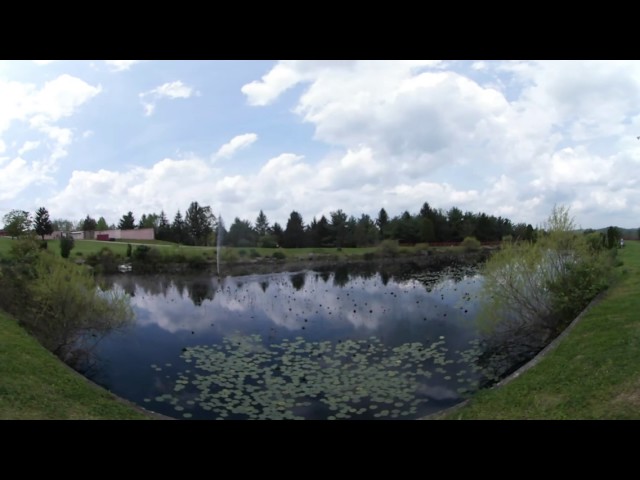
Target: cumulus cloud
529	133
26	147
238	142
38	110
170	90
508	138
120	65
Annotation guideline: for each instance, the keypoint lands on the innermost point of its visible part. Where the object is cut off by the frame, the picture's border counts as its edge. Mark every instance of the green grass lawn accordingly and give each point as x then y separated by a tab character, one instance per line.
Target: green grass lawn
36	385
594	373
86	247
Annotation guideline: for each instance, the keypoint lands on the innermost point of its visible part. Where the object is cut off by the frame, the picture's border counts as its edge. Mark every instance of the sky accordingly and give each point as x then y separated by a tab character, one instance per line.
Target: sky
508	138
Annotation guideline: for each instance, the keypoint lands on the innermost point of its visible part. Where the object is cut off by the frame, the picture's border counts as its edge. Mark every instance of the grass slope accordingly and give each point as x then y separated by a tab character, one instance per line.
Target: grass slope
36	385
594	373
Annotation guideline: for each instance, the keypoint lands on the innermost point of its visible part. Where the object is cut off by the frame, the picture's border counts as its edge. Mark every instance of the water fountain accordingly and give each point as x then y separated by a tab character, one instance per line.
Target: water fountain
219	241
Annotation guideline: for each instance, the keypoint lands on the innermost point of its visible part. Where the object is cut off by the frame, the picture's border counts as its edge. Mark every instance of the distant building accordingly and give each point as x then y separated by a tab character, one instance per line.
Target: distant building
106	235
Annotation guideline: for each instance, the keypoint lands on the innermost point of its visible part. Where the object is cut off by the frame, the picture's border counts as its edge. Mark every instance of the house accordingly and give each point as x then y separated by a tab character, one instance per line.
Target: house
105	235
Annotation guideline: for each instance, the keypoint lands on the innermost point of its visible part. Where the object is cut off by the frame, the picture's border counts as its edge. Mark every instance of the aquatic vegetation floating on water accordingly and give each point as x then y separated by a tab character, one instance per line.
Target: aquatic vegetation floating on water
245	378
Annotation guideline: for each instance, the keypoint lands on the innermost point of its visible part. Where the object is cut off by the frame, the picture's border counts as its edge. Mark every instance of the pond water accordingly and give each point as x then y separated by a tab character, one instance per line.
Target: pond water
311	345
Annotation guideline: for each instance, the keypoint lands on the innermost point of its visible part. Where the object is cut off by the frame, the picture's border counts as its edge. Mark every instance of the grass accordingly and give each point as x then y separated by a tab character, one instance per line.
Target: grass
36	385
86	247
594	373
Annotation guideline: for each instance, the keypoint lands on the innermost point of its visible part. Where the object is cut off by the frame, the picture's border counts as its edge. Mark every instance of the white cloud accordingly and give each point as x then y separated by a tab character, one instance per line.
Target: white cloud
507	138
120	65
170	90
38	109
43	62
19	174
236	143
3	146
265	91
28	146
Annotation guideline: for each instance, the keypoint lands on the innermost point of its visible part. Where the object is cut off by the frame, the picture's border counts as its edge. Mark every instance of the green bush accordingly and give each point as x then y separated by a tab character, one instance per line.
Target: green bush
66	306
129	250
141	252
104	261
388	248
532	290
369	256
254	253
229	255
278	255
66	245
175	257
471	244
197	263
242	252
268	241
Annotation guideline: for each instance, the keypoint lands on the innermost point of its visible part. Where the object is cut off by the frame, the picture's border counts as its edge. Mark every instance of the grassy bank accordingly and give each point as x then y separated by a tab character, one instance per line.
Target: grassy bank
36	385
82	248
594	373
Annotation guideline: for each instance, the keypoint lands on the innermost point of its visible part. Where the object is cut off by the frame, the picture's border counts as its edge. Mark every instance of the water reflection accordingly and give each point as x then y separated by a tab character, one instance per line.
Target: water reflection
297	280
415	324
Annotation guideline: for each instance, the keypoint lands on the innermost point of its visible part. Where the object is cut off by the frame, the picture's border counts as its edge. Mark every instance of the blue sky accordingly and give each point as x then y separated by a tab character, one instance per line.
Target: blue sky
512	138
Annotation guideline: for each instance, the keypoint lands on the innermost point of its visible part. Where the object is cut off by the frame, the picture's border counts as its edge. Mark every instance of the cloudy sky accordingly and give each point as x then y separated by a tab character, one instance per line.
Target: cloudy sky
507	138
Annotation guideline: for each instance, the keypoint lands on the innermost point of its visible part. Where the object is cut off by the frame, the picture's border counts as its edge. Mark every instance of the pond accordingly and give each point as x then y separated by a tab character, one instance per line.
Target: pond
334	344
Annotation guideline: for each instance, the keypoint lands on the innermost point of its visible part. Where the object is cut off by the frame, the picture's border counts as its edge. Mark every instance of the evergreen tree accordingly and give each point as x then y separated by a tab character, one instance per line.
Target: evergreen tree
294	233
127	222
42	223
262	224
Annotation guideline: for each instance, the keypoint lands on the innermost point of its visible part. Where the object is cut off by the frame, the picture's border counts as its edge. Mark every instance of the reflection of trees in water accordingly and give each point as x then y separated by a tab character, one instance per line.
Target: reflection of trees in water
199	291
264	285
297	280
385	277
325	276
341	276
180	285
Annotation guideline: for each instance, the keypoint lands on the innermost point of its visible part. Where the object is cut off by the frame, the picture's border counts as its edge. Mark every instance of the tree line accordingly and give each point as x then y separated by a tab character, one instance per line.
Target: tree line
199	226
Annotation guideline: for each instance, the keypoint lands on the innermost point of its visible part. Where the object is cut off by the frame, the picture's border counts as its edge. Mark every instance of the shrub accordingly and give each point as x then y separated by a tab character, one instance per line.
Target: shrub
388	248
254	253
175	257
268	241
278	255
242	252
369	256
229	255
128	250
533	290
66	306
197	263
471	244
66	245
141	252
44	244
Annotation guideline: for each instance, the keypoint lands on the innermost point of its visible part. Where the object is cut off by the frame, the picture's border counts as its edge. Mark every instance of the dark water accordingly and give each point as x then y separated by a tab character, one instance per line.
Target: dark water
312	345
